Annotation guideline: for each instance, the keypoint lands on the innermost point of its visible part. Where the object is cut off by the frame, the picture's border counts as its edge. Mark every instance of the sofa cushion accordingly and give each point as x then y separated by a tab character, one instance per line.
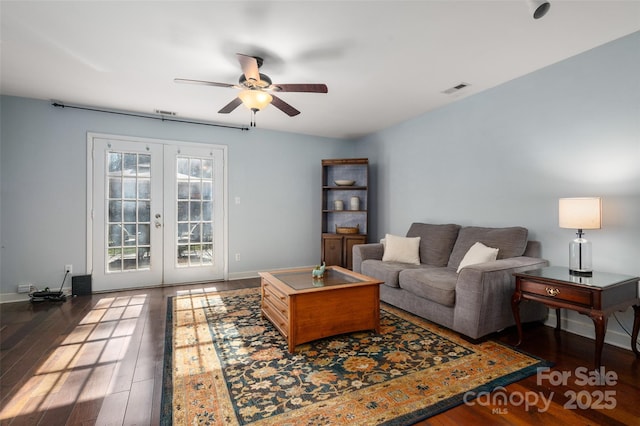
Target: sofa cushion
401	249
478	253
436	241
385	271
435	284
510	242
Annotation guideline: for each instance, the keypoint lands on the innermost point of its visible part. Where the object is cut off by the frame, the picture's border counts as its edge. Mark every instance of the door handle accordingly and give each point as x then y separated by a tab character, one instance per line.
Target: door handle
157	224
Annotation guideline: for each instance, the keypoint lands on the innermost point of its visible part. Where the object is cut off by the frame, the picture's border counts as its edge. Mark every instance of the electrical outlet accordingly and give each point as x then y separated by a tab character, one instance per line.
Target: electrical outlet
68	268
24	288
237	257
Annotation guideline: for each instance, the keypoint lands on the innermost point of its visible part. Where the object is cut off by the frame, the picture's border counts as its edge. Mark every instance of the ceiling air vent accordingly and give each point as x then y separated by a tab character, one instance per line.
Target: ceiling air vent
456	88
162	112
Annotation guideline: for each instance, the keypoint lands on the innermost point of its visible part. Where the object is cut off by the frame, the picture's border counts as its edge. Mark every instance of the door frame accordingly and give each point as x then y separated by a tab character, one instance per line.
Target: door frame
89	201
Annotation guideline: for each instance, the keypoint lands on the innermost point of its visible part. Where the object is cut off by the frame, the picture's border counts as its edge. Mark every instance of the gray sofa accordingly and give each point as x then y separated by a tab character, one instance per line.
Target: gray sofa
474	302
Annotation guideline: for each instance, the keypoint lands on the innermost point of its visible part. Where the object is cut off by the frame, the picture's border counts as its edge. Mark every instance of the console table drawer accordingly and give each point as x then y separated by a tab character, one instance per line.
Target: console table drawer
558	292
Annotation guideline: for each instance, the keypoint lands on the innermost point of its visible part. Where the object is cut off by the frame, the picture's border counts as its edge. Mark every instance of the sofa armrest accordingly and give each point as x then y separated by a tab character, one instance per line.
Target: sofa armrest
362	252
483	294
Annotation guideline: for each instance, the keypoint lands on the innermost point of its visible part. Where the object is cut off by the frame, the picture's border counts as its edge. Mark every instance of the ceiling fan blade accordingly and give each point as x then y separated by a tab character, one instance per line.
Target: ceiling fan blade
231	106
314	88
206	83
284	107
249	66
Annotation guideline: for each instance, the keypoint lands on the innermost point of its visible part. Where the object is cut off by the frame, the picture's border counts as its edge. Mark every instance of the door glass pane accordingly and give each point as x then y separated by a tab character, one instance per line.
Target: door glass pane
183	212
129	217
144	211
144	165
195	216
196	210
129	211
207	169
129	186
183	167
206	190
144	232
114	160
115	187
195	169
115	210
115	236
144	189
183	191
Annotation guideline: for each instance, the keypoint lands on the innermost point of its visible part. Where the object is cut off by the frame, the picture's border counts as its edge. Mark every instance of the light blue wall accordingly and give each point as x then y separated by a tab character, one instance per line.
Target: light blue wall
43	168
499	158
503	157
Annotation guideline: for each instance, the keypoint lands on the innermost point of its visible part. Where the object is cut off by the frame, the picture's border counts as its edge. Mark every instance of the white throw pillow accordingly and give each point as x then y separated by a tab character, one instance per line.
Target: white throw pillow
478	253
401	249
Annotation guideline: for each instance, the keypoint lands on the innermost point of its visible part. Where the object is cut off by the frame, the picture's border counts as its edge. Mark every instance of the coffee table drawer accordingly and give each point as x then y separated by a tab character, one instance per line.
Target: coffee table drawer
276	317
278	300
557	292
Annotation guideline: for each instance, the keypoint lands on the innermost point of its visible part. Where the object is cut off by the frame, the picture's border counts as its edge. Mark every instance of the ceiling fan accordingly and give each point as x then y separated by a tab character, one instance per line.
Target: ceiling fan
257	88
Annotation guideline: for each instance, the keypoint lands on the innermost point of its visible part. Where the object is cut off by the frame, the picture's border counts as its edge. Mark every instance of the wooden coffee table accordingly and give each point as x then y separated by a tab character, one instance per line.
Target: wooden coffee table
304	309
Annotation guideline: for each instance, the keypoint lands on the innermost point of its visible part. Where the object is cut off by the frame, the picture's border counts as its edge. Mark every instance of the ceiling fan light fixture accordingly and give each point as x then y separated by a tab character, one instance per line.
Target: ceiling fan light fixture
255	100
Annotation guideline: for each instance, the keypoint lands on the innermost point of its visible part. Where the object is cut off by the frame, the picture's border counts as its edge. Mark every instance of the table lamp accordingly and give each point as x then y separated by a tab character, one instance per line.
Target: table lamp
580	214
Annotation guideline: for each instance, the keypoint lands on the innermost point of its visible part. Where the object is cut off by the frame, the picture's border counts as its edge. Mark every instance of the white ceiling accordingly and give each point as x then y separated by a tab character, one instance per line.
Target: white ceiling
383	61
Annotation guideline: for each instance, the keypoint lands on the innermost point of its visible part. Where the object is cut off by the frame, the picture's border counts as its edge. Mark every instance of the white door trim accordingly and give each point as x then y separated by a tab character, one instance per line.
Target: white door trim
89	178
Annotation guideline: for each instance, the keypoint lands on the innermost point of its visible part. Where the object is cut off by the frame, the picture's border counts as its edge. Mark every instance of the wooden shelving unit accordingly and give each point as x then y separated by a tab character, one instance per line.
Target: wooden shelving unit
337	247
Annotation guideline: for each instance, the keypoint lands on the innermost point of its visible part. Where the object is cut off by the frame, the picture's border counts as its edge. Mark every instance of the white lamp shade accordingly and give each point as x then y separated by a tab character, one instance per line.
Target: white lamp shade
580	213
255	99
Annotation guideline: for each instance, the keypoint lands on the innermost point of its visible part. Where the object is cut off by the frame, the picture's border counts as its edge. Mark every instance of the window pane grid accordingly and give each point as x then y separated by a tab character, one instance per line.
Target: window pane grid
129	218
194	181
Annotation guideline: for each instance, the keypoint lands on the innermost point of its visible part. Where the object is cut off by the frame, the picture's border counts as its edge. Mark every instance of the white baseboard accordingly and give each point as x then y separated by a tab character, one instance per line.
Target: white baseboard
255	274
242	275
586	329
24	297
13	297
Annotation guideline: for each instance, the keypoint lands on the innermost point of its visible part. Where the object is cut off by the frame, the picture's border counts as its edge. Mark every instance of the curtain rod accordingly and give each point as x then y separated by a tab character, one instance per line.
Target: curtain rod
162	118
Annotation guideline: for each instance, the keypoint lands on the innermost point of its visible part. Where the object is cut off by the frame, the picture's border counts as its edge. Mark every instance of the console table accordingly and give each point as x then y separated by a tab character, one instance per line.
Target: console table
597	297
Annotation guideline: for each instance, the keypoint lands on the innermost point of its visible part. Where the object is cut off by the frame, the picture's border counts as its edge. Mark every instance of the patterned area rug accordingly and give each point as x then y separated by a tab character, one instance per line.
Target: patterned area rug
225	364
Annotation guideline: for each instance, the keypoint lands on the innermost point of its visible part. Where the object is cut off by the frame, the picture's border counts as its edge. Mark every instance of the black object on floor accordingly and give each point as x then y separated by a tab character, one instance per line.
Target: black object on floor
49	296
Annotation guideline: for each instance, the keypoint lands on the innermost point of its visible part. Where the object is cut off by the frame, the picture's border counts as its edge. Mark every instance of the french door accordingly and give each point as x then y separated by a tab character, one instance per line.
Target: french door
156	212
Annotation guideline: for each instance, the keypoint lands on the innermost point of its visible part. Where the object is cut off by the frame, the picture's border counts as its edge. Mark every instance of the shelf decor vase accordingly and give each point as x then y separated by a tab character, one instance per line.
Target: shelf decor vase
355	203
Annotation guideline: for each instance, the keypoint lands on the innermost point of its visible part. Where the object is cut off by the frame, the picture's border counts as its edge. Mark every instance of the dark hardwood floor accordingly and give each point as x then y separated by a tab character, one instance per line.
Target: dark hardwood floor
98	360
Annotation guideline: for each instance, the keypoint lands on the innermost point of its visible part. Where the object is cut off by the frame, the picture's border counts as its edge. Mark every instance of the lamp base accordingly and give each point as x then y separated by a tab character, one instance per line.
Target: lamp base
576	273
580	257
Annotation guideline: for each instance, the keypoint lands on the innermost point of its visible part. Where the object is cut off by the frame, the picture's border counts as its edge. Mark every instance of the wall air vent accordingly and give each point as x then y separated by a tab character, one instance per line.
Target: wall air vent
162	112
456	88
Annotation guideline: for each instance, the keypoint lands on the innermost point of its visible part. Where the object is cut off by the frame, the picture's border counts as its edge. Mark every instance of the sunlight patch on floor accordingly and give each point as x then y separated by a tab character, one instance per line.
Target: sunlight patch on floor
200	290
191	327
85	363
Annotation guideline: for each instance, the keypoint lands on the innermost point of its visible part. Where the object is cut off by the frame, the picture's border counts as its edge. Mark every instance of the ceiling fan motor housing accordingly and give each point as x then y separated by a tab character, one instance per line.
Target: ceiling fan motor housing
263	83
